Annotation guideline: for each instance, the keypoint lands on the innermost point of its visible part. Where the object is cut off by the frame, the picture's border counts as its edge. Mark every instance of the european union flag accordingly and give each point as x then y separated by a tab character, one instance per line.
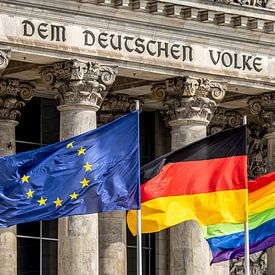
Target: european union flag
94	172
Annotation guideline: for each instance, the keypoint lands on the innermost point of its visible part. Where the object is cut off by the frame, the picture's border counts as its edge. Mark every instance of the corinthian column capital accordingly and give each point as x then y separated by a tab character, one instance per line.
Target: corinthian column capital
81	83
262	106
13	94
115	106
5	53
223	119
189	87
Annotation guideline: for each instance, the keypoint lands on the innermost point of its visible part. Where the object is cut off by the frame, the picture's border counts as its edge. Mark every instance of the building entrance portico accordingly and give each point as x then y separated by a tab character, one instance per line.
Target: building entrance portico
197	67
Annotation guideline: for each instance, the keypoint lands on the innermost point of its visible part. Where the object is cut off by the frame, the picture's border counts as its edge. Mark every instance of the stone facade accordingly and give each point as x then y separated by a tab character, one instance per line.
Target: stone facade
199	66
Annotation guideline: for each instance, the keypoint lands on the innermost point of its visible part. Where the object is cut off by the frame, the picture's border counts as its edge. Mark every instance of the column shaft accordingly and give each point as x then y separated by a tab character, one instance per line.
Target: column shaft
112	225
81	88
189	252
78	236
8	250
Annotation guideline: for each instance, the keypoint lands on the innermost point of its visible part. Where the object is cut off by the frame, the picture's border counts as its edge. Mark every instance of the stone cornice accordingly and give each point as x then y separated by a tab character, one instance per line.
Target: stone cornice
82	83
234	16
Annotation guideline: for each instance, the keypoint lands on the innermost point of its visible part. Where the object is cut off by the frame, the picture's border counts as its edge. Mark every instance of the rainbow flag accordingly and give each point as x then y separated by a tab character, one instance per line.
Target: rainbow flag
227	240
205	181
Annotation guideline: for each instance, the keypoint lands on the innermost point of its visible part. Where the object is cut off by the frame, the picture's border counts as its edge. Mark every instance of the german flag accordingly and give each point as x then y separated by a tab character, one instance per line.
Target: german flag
205	181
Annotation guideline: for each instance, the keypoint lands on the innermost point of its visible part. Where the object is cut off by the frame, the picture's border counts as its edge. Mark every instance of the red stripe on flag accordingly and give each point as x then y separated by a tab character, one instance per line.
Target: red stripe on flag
196	177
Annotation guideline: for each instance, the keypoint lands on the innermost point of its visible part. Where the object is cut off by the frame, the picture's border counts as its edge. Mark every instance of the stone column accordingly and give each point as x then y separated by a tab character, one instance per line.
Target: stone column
112	225
263	107
223	119
189	112
81	88
12	95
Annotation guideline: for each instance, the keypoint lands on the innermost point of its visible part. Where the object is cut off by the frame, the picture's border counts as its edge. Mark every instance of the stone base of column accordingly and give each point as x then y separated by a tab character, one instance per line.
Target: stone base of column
112	240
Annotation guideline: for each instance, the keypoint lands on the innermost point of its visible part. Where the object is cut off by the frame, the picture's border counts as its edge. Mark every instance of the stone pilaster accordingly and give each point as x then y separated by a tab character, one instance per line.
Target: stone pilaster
13	93
112	225
190	104
81	88
5	53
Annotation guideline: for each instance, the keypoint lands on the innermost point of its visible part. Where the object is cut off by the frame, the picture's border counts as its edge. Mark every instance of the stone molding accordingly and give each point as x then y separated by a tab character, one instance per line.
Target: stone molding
5	53
13	94
114	106
263	106
224	119
188	86
79	83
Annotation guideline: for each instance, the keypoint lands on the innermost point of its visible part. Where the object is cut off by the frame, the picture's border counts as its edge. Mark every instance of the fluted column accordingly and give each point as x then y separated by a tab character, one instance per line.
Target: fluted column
81	88
13	94
262	106
112	225
189	111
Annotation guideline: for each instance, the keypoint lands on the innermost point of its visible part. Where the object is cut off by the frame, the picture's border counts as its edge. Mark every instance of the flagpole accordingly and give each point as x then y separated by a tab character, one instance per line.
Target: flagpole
246	233
139	237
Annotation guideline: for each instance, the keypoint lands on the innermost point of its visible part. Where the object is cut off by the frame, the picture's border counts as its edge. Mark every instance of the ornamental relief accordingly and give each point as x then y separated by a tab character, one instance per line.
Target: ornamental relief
5	53
13	94
188	87
115	106
77	82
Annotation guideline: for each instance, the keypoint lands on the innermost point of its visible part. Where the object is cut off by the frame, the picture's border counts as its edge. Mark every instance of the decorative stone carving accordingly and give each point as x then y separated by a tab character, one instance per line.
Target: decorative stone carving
188	108
76	82
114	106
263	106
5	53
258	3
13	93
188	87
257	150
224	119
258	264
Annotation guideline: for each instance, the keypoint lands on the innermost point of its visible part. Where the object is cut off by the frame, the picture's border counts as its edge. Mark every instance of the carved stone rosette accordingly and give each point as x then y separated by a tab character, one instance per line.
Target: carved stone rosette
76	82
263	106
5	53
188	87
115	106
224	119
13	93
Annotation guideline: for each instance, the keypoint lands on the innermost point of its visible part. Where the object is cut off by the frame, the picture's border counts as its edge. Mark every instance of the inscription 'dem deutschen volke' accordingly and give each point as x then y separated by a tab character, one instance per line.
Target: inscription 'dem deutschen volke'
140	45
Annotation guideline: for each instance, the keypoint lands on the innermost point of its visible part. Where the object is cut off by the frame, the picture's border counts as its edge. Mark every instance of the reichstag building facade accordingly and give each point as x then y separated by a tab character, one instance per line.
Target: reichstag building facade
197	67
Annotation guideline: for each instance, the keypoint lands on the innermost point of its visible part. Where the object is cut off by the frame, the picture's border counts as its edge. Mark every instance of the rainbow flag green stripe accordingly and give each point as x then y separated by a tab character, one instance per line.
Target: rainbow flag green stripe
224	229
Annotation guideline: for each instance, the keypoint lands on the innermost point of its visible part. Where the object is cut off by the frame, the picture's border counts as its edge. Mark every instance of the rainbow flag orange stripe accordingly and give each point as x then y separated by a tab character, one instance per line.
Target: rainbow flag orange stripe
204	181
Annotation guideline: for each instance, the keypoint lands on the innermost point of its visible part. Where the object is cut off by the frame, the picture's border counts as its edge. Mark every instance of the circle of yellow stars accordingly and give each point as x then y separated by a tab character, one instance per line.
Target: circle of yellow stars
58	202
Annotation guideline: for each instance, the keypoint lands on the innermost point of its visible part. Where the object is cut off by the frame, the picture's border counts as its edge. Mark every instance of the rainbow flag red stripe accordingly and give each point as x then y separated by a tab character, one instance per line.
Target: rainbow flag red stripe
204	181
